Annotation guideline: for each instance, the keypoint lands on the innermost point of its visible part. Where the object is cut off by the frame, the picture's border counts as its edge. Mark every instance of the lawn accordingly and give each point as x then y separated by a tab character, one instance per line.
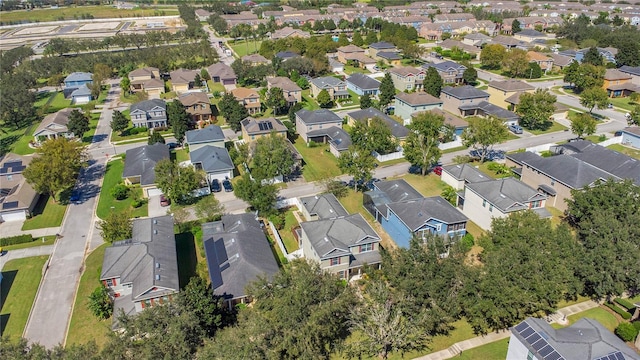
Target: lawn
215	86
48	240
47	213
75	13
319	163
180	155
20	281
599	314
429	185
553	128
623	103
57	103
474	229
21	147
241	48
286	233
93	124
625	150
556	215
462	331
112	177
484	167
348	69
496	350
85	327
309	102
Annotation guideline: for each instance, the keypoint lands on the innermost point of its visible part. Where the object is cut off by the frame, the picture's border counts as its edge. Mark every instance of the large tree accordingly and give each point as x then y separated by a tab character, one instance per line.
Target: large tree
324	99
515	26
492	55
16	107
366	101
588	76
470	75
358	163
119	122
482	134
634	116
583	124
433	82
261	197
78	123
594	97
211	310
209	209
516	63
421	147
272	157
232	110
535	109
178	119
593	57
116	226
177	182
628	53
387	90
373	135
276	100
56	167
571	72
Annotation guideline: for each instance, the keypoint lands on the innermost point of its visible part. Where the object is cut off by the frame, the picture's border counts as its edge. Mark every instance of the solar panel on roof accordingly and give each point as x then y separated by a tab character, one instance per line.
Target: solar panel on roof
553	356
520	327
619	356
527	332
533	338
546	350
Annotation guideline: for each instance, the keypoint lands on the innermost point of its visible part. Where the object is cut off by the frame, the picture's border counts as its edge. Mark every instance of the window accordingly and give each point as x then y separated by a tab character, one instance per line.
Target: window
366	247
147	303
535	204
490	208
109	282
409	86
438	227
334	261
484	203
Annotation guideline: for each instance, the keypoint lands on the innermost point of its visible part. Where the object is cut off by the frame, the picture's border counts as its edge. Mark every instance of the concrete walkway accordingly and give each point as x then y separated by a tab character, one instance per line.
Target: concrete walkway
457	348
25	253
14	228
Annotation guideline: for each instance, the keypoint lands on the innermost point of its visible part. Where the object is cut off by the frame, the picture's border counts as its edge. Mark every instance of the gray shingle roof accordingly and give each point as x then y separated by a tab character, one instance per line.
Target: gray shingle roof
398	190
493	110
465	172
363	81
464	92
445	66
521	157
147	105
382	45
418	98
212	159
327	82
81	91
237	253
333	237
415	213
221	70
339	138
507	194
325	206
321	116
211	133
511	85
630	70
568	170
254	126
79	76
389	55
397	130
142	161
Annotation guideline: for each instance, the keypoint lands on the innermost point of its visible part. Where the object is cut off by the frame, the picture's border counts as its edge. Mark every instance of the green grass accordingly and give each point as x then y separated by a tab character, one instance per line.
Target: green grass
308	102
348	69
556	216
623	102
168	95
85	327
565	303
58	103
241	48
47	213
593	138
462	331
599	314
553	128
474	229
181	155
319	163
429	185
71	13
93	124
634	153
112	177
21	278
496	350
215	86
484	167
48	240
352	202
21	147
286	234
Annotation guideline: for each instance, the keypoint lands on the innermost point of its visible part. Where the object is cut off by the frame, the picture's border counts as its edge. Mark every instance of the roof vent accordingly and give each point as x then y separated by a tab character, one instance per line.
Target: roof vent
502	196
155	221
316	197
233	240
157	265
155	232
420	214
158	277
326	239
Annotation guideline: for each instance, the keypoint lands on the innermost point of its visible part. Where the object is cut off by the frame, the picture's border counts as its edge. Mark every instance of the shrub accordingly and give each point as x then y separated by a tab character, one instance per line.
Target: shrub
625	304
120	192
602	138
100	303
625	314
13	240
278	220
462	159
467	241
312	144
626	332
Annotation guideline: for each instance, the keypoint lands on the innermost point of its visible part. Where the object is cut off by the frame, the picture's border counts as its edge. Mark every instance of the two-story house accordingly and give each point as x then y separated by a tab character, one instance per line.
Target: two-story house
54	126
462	99
222	73
210	135
198	106
407	78
450	71
142	272
214	161
545	62
182	80
248	98
459	175
149	113
139	167
76	80
18	199
146	79
476	39
291	91
323	126
253	129
321	206
380	46
618	83
289	32
348	52
502	90
336	88
407	104
634	72
363	85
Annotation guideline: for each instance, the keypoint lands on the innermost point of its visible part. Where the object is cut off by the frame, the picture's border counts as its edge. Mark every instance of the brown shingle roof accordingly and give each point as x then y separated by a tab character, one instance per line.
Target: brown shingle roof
243	93
283	83
194	98
418	98
615	74
511	85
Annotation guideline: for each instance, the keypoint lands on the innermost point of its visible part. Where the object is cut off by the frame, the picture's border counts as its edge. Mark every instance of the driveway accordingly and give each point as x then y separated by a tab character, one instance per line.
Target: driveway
155	209
14	228
25	253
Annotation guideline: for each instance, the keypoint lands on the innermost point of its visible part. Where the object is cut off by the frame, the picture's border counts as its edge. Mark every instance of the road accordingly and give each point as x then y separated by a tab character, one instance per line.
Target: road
214	41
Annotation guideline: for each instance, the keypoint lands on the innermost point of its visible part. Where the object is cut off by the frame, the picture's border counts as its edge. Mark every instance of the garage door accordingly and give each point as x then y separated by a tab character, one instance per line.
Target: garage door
15	216
228	82
154	192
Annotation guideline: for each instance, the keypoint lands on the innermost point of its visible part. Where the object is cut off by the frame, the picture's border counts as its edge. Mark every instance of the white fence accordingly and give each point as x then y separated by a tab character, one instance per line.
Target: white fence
388	157
285	203
294	255
451	144
613	140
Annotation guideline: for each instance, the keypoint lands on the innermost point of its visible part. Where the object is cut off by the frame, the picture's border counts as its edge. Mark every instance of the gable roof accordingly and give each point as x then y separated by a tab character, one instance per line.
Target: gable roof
449	118
325	206
464	92
286	54
521	157
283	83
530	33
321	116
255	58
465	172
389	55
211	158
211	133
78	76
333	237
147	105
491	109
405	71
398	130
415	213
15	192
418	98
445	66
511	85
506	194
327	82
561	60
183	76
382	45
141	161
222	70
363	81
192	98
83	90
630	70
242	93
262	126
237	253
397	190
59	118
568	170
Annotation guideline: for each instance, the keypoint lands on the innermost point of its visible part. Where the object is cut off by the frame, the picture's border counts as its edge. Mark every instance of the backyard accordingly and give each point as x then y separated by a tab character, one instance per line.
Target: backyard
286	233
106	203
429	185
319	163
20	281
47	213
241	48
634	153
353	204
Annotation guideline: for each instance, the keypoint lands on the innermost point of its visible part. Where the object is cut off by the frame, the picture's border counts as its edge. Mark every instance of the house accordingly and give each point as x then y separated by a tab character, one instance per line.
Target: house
255	59
388	192
458	175
633	71
348	52
398	131
476	39
289	32
511	43
198	107
458	123
336	66
338	139
381	46
609	54
336	88
254	129
500	90
450	71
389	58
248	98
291	91
307	121
586	339
631	136
54	126
452	17
148	80
561	61
222	73
214	161
81	95
484	201
529	35
450	44
407	78
407	104
149	113
545	62
286	55
140	164
320	207
618	83
453	98
142	272
210	135
341	245
362	84
17	196
182	80
238	253
76	80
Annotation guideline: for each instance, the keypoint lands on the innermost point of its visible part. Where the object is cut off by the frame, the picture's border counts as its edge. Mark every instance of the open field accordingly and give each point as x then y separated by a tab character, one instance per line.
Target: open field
241	48
73	13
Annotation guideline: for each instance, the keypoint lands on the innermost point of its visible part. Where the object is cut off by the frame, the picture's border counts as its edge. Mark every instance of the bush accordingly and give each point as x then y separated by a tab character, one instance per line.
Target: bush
626	332
312	144
625	304
278	220
467	241
13	240
462	159
625	314
120	192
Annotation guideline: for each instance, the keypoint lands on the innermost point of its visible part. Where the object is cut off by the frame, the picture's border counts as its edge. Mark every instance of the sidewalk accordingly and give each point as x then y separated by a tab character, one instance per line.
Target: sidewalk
455	349
25	253
14	228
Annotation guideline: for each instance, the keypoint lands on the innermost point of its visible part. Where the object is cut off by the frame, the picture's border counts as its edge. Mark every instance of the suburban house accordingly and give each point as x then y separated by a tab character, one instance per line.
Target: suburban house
389	58
530	35
499	91
450	72
198	106
76	80
238	253
307	121
286	55
149	113
321	206
336	66
148	80
81	95
458	123
291	91
140	164
469	101
336	88
254	129
545	62
255	59
609	54
142	272
585	339
381	46
407	104
222	73
182	80
476	39
618	83
631	136
561	61
342	245
17	197
483	201
53	126
387	192
633	71
398	131
349	52
363	85
458	175
210	135
214	161
407	78
511	43
450	44
289	32
338	139
248	98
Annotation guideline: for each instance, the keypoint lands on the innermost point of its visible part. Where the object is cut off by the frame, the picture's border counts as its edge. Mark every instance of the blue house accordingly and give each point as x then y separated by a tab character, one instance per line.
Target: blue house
362	84
631	136
77	79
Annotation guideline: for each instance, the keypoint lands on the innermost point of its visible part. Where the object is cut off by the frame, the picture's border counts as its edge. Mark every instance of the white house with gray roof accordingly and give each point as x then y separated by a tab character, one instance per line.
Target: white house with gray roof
336	88
309	120
458	175
142	272
214	161
210	135
149	113
140	164
321	206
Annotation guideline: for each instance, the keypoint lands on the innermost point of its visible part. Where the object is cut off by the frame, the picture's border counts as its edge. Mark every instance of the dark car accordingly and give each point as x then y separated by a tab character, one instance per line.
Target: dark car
516	129
164	201
75	196
172	145
215	185
227	185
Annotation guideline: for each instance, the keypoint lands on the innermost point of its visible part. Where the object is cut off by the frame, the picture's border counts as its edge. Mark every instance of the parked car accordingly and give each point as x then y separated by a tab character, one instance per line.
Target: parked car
516	129
172	145
75	196
215	185
227	185
437	170
164	201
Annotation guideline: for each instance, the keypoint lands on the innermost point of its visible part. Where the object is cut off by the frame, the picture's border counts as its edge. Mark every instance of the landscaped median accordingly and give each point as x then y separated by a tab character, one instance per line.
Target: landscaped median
107	203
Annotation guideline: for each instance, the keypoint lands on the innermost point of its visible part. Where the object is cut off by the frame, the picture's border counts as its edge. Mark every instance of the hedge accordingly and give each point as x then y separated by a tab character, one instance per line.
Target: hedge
625	314
625	304
626	332
13	240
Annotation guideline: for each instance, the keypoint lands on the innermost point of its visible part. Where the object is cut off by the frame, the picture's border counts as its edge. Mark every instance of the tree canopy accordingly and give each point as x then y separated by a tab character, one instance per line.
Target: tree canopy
482	134
387	90
119	122
272	157
358	163
232	110
433	82
261	197
595	97
116	226
78	123
373	135
535	109
421	147
492	56
179	119
583	124
177	182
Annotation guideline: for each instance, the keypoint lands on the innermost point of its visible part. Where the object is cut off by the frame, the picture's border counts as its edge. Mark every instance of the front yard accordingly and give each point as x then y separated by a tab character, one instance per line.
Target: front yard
319	163
48	240
429	185
553	128
623	103
106	203
47	213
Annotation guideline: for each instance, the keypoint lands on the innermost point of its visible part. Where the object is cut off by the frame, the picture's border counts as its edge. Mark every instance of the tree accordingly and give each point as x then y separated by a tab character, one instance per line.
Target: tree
470	75
412	51
373	135
276	100
433	82
492	55
119	122
593	57
197	81
55	80
535	109
421	147
445	36
116	226
358	163
16	107
100	303
177	182
594	97
515	26
232	110
324	99
211	310
178	119
516	63
387	90
589	76
450	194
125	84
571	72
155	137
78	123
335	187
101	72
357	39
261	197
365	101
371	38
535	71
209	209
482	134
57	166
634	116
628	54
583	124
272	157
